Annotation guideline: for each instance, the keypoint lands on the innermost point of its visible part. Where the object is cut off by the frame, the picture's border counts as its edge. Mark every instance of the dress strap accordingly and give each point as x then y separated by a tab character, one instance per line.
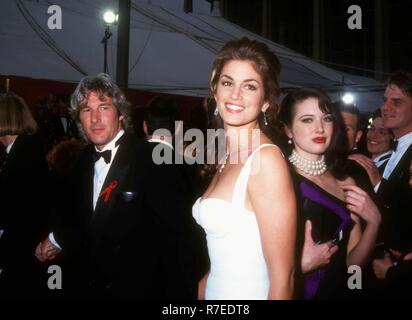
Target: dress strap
239	191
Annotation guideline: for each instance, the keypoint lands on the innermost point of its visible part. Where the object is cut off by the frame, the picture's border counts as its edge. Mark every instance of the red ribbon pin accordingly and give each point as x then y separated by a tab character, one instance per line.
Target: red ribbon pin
108	190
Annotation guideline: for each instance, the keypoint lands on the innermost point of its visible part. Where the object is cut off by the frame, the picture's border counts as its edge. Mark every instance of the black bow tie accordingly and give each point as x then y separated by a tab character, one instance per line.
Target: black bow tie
395	145
107	155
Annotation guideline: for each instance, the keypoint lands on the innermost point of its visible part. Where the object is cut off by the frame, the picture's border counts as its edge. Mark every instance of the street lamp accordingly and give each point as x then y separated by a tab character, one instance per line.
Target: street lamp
110	18
348	98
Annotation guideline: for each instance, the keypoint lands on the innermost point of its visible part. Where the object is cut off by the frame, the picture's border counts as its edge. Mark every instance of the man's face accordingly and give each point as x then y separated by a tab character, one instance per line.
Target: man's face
397	111
378	138
352	132
100	119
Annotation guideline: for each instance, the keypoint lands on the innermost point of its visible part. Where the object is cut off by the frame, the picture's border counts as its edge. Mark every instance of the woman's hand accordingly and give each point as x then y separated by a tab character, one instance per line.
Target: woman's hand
315	255
359	202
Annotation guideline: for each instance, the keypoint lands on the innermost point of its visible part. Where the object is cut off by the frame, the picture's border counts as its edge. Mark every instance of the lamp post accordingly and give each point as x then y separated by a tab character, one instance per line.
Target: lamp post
110	18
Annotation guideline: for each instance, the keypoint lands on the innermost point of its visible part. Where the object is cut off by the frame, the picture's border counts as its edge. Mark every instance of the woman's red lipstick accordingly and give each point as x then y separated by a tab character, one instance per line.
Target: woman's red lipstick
319	140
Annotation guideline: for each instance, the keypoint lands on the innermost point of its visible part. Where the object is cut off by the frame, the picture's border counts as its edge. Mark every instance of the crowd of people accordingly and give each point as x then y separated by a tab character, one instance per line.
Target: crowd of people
284	213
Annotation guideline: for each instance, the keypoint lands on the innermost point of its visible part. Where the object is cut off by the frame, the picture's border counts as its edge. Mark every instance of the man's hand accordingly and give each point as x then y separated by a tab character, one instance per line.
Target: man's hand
381	266
369	166
46	250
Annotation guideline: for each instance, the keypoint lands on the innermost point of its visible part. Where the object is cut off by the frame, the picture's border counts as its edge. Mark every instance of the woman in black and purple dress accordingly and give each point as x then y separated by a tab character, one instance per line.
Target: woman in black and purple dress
331	206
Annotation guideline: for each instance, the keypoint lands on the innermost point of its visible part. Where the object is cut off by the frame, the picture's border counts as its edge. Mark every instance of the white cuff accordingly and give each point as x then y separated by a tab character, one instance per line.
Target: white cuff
53	241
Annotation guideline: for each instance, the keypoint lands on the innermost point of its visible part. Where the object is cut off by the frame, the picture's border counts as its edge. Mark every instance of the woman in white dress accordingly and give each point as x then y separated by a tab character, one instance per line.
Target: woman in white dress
248	211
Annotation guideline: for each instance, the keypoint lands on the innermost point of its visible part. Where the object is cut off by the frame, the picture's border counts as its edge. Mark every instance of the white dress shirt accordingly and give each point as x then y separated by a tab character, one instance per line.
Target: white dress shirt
101	168
8	148
156	140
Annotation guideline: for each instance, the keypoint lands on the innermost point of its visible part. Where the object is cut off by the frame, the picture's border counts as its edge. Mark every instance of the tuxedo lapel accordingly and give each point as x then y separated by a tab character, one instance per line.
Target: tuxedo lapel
109	196
402	167
87	186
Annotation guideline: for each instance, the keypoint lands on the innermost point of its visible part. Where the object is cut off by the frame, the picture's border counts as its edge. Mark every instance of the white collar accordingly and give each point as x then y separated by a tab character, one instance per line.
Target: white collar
112	144
405	139
161	141
9	146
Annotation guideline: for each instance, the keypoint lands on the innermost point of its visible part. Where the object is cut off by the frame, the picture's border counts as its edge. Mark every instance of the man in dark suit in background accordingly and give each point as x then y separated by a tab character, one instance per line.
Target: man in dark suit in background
352	119
127	225
159	125
393	191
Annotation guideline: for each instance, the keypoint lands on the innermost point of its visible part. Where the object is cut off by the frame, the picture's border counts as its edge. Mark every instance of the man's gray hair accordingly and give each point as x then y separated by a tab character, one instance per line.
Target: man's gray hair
102	85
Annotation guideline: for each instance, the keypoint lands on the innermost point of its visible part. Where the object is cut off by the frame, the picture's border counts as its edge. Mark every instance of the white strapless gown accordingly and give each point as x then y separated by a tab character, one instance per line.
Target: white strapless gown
238	269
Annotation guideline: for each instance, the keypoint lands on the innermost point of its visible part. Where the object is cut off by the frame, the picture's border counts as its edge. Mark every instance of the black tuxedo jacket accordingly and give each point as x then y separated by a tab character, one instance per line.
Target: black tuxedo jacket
395	198
24	209
138	241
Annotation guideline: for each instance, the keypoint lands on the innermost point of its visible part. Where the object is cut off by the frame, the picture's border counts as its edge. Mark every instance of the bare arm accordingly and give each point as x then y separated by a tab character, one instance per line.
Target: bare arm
202	287
361	244
272	197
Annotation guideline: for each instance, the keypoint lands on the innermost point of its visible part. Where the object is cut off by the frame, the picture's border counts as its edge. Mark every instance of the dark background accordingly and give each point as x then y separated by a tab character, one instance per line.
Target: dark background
382	46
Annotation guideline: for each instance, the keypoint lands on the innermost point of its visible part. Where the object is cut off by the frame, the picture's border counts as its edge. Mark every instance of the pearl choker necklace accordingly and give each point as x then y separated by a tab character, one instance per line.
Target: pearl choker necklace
310	167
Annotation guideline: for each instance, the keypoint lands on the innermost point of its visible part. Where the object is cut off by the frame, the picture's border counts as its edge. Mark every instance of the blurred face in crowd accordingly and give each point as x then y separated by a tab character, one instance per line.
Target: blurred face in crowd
239	94
100	119
378	138
351	125
397	111
311	129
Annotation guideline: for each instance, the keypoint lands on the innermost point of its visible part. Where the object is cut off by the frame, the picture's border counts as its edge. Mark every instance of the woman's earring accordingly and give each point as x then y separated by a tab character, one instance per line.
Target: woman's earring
216	112
290	141
264	119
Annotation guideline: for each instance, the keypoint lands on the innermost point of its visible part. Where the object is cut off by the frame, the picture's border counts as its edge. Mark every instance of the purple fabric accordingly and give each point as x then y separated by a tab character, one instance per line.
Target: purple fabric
313	279
315	195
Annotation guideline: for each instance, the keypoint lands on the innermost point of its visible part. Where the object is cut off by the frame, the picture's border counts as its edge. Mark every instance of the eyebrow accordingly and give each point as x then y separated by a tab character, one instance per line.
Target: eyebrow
85	105
312	115
393	99
246	80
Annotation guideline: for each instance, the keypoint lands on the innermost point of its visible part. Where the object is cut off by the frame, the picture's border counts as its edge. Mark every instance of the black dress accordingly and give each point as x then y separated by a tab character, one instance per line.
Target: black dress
330	222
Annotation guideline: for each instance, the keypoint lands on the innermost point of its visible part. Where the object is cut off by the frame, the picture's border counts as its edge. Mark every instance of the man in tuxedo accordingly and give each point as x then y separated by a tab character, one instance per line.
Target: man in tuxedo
127	227
61	125
159	126
393	190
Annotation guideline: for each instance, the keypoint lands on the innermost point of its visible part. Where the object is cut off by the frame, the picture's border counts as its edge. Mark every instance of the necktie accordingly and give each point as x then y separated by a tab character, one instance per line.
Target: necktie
395	145
385	157
106	155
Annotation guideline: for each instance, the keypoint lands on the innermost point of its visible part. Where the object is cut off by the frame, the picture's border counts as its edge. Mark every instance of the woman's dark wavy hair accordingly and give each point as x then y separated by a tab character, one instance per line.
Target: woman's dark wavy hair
335	154
267	65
